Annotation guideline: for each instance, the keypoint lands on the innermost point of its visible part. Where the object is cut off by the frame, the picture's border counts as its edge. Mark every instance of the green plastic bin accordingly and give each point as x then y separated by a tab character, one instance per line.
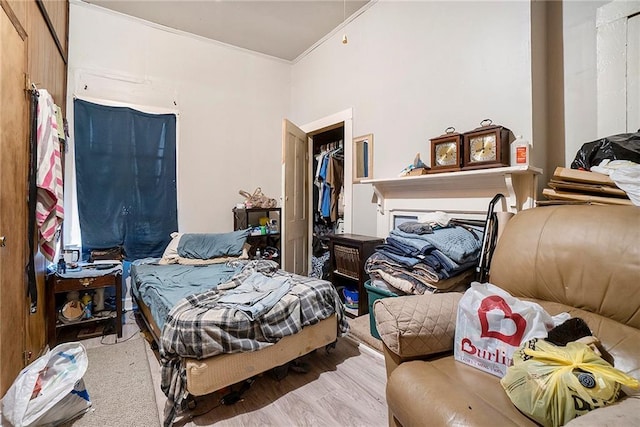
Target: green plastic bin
375	293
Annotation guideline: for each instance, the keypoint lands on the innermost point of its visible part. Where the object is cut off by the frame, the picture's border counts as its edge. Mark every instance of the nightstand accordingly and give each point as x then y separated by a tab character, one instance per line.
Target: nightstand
59	285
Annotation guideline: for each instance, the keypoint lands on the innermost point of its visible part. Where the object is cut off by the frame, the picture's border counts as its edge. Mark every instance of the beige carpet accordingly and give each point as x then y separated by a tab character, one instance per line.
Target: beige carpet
360	330
119	384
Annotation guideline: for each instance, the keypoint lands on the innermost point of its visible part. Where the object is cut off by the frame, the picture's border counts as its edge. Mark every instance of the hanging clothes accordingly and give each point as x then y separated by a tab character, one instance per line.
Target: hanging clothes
329	180
335	178
49	200
324	204
319	179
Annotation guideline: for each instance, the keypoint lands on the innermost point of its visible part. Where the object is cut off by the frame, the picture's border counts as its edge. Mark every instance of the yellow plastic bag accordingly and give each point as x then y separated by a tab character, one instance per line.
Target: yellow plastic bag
553	385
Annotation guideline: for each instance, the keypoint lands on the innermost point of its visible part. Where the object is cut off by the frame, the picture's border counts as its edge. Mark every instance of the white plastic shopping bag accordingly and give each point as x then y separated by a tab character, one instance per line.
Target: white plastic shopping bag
50	390
491	324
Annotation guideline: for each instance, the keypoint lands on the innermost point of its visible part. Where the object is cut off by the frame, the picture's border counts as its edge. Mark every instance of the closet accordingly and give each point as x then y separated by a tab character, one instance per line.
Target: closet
327	201
33	51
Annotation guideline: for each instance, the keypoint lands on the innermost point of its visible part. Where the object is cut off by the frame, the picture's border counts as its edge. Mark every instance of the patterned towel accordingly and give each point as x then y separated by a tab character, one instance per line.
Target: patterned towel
49	201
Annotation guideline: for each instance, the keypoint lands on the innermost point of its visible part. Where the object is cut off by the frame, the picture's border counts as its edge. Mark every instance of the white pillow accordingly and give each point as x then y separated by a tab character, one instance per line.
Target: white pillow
170	255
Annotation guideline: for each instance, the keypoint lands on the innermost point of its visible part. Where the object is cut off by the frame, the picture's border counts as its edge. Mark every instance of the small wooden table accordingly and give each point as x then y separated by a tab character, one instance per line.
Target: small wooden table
348	254
57	285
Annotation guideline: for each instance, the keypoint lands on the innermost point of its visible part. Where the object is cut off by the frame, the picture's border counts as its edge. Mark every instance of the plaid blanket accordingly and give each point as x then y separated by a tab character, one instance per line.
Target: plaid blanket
200	327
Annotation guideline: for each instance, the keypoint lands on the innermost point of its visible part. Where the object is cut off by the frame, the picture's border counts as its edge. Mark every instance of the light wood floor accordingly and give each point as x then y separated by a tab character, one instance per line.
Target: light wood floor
343	388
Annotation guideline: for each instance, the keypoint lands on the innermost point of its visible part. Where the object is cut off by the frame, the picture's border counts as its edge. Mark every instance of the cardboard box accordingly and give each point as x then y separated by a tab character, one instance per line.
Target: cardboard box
576	175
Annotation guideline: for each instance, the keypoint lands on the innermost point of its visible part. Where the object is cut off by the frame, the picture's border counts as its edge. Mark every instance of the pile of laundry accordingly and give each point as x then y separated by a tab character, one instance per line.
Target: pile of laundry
435	253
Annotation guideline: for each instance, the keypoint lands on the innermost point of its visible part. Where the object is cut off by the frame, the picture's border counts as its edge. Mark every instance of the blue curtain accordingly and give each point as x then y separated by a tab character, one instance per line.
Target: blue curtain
125	178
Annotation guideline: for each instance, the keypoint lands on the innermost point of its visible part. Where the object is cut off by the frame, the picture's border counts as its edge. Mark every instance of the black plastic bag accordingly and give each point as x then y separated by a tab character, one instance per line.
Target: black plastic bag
625	146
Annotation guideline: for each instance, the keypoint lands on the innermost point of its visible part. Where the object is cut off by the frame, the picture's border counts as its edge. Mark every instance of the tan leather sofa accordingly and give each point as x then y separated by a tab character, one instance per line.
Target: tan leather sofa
584	260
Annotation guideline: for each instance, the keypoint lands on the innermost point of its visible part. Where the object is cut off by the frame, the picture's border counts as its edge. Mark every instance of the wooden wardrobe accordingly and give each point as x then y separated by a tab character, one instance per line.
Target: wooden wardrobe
33	50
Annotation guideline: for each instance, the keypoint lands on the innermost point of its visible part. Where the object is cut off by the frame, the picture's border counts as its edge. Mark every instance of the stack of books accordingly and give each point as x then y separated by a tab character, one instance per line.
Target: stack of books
571	186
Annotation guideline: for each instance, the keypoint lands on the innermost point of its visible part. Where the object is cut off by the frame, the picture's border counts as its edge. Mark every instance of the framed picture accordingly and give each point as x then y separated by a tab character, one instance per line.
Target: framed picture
362	158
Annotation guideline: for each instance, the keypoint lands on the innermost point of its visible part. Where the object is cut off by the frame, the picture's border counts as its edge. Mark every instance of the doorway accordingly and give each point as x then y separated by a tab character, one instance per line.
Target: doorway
327	194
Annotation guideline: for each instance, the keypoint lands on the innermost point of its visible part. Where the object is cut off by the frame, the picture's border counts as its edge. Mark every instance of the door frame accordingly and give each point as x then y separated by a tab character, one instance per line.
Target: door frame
344	117
611	39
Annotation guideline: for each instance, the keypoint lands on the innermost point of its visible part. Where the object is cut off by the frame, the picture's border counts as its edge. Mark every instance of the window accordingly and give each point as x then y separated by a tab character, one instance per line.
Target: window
125	164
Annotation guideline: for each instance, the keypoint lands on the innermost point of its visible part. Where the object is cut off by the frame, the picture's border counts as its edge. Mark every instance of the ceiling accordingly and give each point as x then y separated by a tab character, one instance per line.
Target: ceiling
284	29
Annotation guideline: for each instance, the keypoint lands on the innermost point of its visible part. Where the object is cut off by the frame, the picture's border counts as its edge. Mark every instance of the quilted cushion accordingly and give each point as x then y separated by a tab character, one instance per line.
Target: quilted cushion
417	325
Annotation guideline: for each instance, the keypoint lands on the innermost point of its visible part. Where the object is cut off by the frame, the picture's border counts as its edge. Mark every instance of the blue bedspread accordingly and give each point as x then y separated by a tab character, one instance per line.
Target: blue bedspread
162	286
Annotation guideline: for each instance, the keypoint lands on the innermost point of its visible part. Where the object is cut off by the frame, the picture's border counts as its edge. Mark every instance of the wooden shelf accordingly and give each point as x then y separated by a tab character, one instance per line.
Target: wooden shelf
95	319
248	218
346	276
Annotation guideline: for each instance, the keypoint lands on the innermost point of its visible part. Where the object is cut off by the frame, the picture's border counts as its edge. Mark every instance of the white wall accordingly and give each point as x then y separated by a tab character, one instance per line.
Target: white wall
412	69
580	68
230	103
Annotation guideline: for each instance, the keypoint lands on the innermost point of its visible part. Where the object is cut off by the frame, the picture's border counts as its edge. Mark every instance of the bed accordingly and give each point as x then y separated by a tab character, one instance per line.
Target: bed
207	340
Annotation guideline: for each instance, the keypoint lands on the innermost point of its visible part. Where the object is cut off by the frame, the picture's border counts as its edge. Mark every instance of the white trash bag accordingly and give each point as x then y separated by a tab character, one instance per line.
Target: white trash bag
491	325
50	390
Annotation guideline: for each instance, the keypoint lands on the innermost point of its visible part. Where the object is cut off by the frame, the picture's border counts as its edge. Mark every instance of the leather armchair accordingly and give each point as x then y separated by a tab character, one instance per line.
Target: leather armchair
584	260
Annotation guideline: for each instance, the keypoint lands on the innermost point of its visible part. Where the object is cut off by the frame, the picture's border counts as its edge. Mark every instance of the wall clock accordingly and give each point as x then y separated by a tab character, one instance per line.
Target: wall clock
446	151
486	146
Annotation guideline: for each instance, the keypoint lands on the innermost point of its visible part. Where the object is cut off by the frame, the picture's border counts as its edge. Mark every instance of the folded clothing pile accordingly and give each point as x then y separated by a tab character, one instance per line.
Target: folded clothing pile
436	254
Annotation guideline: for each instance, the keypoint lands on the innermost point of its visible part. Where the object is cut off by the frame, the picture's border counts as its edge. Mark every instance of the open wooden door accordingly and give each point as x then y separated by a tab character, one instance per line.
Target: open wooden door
295	171
13	191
